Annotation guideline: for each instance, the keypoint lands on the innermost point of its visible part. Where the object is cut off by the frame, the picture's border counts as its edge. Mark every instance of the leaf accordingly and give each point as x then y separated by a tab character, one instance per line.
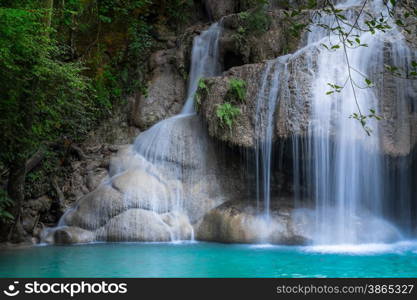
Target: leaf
325	46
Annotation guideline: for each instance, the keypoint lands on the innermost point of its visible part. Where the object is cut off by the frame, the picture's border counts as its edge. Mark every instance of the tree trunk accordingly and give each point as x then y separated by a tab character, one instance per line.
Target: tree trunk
16	191
49	5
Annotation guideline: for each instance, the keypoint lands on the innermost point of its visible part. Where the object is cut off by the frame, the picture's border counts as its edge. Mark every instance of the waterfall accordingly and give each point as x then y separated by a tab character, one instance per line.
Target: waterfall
177	147
264	125
204	62
157	187
344	168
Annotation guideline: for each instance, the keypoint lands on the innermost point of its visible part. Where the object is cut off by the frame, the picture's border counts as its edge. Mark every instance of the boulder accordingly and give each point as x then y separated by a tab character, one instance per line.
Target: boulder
143	225
72	235
95	209
240	222
145	190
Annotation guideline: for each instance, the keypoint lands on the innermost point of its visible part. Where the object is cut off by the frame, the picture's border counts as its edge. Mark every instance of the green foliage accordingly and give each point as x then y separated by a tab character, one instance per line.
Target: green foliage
5	202
41	96
202	89
254	21
364	118
237	90
227	114
178	10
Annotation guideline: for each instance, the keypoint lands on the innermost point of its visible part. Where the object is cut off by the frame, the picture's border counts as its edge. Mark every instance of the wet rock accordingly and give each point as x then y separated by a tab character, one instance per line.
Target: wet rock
143	225
243	130
145	190
71	235
239	222
95	209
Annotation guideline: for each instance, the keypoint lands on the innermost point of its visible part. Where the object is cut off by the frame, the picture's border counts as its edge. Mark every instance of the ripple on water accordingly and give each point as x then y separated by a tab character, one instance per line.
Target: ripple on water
364	249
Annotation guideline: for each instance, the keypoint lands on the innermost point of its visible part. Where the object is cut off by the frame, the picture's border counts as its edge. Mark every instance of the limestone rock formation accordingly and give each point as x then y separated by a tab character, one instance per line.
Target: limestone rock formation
165	92
240	222
292	109
147	199
240	44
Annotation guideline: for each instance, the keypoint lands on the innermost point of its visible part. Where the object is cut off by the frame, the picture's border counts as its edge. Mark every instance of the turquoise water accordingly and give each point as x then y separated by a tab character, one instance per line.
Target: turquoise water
210	260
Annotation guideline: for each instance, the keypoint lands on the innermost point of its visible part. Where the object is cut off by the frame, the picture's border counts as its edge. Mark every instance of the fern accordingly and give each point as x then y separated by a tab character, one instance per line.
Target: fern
227	114
201	89
237	89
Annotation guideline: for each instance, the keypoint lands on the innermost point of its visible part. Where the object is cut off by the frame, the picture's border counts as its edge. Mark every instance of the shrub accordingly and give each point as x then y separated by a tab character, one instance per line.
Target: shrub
201	89
237	90
227	114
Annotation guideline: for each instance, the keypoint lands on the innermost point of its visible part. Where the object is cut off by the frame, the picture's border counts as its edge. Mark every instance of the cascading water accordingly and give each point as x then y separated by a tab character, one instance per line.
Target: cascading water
343	166
169	179
176	142
157	187
264	125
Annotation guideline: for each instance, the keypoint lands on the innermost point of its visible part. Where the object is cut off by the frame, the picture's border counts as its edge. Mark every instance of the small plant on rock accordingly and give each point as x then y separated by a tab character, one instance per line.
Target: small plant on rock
202	89
237	90
227	113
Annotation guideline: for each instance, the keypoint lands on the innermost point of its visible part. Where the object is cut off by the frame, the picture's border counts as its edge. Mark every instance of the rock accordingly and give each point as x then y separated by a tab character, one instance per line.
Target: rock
180	140
203	196
180	227
95	178
143	225
217	9
72	235
95	209
238	48
115	130
165	94
293	103
145	190
239	222
33	211
243	130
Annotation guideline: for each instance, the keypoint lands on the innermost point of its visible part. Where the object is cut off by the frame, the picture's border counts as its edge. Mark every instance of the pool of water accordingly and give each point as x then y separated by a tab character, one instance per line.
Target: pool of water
210	260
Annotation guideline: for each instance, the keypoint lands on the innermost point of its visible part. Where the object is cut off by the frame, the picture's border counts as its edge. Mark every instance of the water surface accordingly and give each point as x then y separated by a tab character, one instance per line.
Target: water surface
210	260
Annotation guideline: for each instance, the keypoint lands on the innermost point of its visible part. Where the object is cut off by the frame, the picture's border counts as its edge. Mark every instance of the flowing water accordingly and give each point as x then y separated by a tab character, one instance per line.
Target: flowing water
343	168
163	175
180	141
264	126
